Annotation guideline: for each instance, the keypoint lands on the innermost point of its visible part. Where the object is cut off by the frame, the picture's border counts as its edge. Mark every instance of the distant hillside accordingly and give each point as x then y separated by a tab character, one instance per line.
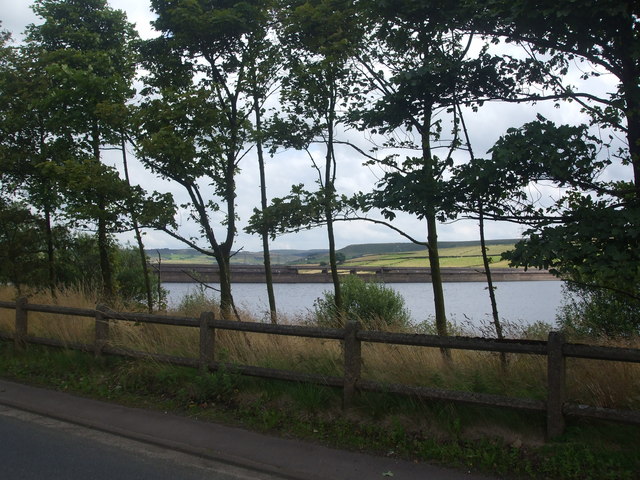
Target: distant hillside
359	250
351	252
278	256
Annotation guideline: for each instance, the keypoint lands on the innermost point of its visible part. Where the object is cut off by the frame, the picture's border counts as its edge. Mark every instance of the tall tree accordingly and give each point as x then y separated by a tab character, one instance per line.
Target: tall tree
30	146
321	36
198	86
419	68
86	50
265	56
596	245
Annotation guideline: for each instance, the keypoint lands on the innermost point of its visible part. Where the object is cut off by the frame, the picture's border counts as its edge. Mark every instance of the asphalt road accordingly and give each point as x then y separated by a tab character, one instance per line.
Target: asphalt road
47	434
33	447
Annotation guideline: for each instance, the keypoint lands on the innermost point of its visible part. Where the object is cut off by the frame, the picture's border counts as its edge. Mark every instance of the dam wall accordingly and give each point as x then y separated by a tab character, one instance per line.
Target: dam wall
208	273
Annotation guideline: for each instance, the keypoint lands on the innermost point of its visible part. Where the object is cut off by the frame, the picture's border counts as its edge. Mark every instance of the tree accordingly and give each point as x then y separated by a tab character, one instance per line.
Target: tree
265	56
86	51
473	190
21	246
587	234
419	68
195	123
603	36
322	36
29	144
590	235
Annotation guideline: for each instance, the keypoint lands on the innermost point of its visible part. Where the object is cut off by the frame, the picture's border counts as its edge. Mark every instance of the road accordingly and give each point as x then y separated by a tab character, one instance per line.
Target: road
55	435
33	447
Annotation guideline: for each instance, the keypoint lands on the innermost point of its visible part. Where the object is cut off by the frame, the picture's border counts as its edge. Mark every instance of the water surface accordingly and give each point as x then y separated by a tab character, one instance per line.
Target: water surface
523	302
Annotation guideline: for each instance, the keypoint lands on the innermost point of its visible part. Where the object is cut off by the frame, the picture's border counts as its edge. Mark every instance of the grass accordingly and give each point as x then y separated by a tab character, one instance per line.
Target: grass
468	256
485	439
460	256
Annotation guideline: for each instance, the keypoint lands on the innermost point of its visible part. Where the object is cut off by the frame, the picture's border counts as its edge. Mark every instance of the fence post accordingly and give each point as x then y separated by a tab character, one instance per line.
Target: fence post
21	323
352	362
207	341
556	385
102	330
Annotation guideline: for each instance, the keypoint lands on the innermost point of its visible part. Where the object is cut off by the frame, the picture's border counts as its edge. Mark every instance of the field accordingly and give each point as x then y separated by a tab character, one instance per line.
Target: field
468	256
452	254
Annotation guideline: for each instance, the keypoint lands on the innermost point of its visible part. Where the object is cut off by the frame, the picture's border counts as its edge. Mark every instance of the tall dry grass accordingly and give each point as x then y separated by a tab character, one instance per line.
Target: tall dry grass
598	383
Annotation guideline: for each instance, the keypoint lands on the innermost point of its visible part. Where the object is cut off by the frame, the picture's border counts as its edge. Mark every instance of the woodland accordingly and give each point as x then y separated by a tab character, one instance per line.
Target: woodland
228	85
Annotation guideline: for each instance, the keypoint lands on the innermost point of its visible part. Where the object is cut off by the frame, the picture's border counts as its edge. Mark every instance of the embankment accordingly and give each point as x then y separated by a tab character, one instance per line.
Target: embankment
189	273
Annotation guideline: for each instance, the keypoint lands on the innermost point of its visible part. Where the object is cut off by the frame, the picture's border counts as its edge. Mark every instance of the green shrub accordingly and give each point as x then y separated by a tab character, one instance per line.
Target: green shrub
130	278
375	306
597	312
195	302
428	327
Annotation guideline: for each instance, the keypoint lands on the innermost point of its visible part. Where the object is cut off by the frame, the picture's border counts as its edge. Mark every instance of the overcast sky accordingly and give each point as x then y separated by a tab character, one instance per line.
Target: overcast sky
485	127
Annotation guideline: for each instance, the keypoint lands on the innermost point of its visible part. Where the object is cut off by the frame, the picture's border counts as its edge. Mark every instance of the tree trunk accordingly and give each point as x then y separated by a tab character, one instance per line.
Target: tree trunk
263	202
136	229
334	264
629	77
492	293
105	261
329	186
51	260
436	276
432	230
226	299
103	234
49	231
487	272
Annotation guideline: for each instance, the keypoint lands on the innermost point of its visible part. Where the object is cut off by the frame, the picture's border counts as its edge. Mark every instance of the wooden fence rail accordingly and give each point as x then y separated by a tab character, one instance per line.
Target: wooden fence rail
556	349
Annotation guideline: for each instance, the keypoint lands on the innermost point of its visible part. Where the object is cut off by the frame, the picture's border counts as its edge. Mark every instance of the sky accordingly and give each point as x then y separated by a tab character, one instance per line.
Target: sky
284	170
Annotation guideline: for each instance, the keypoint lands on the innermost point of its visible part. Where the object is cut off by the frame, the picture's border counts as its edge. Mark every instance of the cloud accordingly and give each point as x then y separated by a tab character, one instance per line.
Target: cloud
16	16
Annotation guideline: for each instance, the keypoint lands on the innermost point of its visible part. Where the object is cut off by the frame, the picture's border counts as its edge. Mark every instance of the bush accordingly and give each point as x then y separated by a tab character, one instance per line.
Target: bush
375	306
130	279
597	312
428	327
195	302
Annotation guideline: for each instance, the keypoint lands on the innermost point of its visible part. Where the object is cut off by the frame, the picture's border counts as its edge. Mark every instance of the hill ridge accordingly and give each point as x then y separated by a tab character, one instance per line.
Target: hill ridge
298	256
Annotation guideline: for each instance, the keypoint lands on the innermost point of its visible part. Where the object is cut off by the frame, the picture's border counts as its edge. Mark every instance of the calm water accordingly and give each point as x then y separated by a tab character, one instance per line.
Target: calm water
466	302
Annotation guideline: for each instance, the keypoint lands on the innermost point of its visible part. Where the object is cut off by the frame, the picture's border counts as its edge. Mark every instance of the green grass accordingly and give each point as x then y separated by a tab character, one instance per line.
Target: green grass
449	257
490	440
500	441
459	254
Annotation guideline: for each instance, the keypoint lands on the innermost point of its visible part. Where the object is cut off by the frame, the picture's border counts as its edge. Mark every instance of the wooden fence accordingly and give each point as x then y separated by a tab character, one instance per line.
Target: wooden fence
556	349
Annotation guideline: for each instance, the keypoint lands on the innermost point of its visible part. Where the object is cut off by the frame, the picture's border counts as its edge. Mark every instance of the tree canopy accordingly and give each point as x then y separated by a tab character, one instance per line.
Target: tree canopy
224	78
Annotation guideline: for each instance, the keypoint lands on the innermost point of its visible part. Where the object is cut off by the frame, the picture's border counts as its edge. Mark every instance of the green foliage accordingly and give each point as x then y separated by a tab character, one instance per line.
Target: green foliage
375	306
429	327
194	124
21	246
23	252
185	386
194	303
130	281
597	248
598	312
78	267
588	235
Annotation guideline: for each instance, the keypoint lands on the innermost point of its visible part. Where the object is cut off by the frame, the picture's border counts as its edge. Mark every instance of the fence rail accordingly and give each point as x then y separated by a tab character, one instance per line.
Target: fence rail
556	349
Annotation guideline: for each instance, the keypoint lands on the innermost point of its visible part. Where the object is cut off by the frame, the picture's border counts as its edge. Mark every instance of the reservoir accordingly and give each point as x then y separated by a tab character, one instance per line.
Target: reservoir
467	303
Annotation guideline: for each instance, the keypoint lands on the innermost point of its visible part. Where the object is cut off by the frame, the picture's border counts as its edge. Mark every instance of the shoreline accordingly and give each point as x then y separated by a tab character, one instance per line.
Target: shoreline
208	273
